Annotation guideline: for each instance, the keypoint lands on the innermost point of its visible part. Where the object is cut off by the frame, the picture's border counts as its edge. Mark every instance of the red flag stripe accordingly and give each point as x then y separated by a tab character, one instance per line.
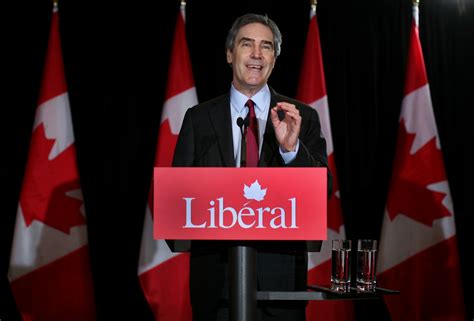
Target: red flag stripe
54	82
312	90
421	280
418	251
165	293
58	291
327	310
164	276
180	64
311	83
416	72
49	266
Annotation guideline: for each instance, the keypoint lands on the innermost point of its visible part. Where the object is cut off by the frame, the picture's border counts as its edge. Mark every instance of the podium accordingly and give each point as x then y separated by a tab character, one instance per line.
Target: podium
242	205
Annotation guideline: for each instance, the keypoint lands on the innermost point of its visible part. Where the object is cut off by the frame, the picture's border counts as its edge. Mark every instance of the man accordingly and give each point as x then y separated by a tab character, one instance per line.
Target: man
289	134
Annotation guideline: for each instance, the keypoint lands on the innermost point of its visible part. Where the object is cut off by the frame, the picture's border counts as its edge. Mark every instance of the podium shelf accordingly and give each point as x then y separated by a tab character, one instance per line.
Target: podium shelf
319	293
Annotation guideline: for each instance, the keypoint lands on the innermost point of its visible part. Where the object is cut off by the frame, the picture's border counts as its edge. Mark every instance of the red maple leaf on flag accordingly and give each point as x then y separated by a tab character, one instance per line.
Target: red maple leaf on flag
412	174
43	196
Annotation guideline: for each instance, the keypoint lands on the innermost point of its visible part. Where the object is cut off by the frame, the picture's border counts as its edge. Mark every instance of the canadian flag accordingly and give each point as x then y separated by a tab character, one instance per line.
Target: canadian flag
418	251
312	90
49	266
164	275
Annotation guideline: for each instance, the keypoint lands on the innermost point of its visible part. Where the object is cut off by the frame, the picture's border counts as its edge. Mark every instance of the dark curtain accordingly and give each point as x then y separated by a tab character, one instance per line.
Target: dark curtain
116	59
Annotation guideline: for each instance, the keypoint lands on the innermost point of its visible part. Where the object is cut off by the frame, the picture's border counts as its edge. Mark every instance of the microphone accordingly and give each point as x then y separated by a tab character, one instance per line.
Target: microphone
243	124
240	123
281	114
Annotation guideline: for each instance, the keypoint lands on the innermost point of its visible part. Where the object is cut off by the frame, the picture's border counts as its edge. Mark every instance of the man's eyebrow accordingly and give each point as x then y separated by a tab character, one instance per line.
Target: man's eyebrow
246	39
267	42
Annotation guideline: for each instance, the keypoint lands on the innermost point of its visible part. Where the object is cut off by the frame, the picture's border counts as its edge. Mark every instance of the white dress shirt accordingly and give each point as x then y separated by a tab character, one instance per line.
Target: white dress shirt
262	105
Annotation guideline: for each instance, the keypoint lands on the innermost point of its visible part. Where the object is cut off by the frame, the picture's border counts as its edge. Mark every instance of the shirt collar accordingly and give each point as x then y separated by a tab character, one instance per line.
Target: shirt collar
261	99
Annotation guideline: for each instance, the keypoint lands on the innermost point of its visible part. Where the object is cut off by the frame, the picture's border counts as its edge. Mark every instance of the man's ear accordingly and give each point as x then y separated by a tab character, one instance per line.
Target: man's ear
229	56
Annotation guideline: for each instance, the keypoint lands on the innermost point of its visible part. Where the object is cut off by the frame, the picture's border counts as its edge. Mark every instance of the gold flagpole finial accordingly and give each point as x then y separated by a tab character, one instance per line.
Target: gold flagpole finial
416	2
55	4
183	3
314	3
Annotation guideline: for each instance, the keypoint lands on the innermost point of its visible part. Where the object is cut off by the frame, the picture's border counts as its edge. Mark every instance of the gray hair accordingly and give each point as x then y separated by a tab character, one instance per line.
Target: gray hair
253	18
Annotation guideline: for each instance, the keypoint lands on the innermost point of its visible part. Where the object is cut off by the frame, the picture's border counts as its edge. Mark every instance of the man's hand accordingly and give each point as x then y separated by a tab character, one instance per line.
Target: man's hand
288	129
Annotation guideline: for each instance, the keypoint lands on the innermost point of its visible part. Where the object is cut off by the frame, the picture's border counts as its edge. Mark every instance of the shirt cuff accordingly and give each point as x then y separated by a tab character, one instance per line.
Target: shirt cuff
288	157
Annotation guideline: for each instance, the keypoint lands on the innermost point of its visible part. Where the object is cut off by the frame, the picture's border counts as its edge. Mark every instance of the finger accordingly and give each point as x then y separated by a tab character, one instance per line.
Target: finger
286	106
294	121
295	115
274	115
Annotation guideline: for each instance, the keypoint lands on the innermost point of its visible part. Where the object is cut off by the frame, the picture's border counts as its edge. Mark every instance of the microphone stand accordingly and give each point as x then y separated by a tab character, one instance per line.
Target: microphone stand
243	124
243	261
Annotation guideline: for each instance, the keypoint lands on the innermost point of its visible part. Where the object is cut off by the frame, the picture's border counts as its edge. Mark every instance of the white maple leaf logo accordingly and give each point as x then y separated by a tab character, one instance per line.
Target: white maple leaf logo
254	191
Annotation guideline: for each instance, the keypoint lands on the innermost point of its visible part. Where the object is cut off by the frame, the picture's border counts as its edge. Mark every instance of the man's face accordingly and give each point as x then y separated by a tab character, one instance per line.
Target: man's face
252	58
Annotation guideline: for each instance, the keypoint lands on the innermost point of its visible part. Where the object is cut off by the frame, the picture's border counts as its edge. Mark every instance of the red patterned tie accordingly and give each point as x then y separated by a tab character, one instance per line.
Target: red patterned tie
252	136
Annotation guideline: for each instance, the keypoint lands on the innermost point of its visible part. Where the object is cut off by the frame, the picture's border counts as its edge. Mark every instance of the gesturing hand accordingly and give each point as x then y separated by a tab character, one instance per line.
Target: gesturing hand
287	130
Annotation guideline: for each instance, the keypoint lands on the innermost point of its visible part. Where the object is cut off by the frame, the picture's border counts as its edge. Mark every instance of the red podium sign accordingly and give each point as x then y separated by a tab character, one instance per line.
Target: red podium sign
240	203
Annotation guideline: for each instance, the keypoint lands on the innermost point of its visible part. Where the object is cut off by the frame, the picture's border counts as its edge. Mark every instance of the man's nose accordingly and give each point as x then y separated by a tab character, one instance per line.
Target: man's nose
256	52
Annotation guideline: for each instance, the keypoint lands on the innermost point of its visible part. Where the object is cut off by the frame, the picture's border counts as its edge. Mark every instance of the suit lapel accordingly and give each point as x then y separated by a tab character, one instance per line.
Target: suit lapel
270	145
221	121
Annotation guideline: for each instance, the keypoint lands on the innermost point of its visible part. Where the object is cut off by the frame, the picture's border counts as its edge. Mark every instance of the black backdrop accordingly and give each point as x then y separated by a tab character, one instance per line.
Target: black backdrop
116	58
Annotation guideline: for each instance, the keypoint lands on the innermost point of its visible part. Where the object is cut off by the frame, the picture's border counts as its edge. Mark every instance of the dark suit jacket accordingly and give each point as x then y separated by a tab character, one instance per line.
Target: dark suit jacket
205	140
